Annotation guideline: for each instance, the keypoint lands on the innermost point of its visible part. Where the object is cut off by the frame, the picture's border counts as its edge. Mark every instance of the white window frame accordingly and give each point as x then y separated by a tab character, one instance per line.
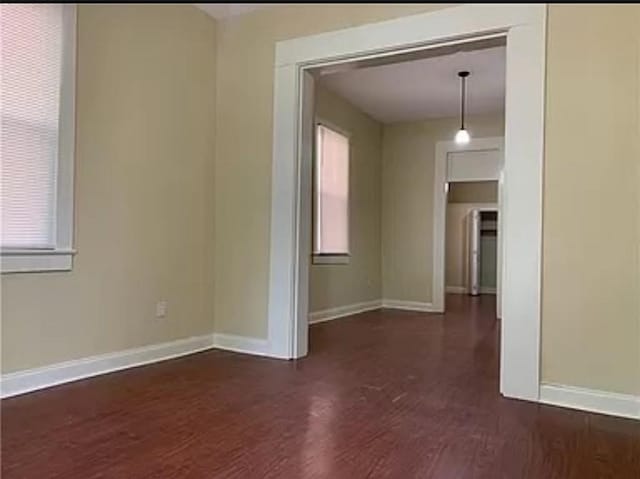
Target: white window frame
319	257
59	258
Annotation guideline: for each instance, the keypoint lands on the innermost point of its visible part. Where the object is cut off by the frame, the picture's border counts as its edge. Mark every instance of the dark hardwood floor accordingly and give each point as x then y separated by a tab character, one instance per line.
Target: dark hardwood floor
383	394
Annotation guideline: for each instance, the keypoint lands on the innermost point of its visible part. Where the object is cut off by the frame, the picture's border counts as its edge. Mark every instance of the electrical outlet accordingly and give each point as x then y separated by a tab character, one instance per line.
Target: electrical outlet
161	309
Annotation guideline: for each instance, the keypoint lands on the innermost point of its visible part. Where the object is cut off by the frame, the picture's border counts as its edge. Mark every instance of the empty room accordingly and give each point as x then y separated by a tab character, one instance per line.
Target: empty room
320	241
377	231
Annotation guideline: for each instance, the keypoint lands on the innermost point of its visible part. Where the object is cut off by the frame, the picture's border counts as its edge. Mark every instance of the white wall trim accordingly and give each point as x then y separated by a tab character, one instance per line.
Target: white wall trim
351	309
456	290
330	258
21	382
614	404
525	28
342	311
409	305
464	290
242	344
28	380
35	261
405	34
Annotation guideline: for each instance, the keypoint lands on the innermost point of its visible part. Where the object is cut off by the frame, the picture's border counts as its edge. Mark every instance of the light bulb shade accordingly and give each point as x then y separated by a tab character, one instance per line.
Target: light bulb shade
462	137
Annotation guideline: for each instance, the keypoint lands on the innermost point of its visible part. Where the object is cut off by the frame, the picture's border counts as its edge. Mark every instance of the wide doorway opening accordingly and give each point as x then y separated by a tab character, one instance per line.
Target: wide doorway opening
472	239
300	62
379	132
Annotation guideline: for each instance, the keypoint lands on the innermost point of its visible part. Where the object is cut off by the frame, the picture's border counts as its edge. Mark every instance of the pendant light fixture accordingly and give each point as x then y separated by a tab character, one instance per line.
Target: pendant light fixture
462	137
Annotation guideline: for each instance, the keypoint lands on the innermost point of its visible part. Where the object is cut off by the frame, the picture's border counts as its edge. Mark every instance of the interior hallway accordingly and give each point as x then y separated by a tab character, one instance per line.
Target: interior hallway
382	394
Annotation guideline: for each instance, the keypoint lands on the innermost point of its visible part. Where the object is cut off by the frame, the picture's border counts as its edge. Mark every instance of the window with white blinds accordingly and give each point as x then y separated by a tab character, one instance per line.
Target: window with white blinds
331	192
36	90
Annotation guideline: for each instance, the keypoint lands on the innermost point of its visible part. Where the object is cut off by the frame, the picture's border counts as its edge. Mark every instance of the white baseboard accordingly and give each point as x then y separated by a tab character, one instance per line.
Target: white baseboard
614	404
28	380
342	311
464	290
242	344
409	305
21	382
455	289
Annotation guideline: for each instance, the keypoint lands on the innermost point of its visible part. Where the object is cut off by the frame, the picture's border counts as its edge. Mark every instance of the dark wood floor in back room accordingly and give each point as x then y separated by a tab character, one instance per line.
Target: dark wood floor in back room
383	394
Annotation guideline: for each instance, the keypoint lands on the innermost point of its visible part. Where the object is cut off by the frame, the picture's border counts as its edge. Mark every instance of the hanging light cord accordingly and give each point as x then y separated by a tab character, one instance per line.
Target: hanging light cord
462	101
463	98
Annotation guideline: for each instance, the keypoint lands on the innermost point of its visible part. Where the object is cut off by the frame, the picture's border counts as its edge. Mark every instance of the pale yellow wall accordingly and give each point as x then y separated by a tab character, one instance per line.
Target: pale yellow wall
244	109
408	156
590	308
144	193
331	286
473	192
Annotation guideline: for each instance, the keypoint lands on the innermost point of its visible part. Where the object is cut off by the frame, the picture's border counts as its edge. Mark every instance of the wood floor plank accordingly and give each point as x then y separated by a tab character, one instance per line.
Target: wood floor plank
383	394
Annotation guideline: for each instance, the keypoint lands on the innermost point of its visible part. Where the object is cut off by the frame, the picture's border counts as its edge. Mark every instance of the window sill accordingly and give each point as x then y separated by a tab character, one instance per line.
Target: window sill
330	259
36	261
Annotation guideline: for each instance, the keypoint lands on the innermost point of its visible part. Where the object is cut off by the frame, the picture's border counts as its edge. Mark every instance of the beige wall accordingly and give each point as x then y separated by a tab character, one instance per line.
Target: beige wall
591	314
408	156
473	192
144	177
331	286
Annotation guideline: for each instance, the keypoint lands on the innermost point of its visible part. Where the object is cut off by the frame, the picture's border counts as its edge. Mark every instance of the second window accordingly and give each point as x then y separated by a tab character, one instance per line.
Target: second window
331	193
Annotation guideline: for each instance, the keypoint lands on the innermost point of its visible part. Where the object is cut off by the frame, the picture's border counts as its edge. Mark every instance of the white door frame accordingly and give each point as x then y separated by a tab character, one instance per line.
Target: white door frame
524	28
440	189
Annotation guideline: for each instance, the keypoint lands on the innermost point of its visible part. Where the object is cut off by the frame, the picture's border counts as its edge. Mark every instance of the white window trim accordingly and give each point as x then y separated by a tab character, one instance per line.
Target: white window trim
319	257
59	258
331	258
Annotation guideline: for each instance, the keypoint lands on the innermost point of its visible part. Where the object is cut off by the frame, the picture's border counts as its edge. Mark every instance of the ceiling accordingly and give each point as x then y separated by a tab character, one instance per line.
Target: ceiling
425	88
224	10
